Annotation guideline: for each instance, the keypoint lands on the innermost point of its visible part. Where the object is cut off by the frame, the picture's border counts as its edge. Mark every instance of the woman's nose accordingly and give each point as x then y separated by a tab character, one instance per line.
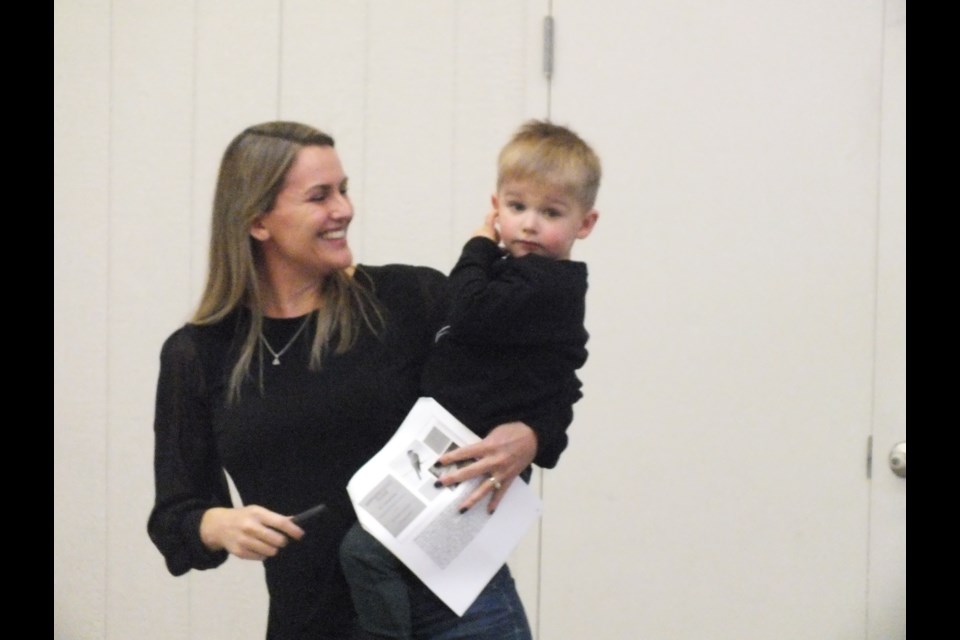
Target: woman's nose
343	207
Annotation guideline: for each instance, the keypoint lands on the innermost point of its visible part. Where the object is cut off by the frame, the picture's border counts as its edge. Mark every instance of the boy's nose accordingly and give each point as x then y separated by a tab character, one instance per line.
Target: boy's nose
529	222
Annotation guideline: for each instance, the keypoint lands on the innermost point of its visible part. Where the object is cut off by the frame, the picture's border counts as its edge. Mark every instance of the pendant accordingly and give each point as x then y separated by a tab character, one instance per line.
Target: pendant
276	360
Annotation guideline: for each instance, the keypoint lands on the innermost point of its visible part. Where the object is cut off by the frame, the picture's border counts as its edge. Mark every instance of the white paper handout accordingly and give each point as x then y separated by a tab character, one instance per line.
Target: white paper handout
394	496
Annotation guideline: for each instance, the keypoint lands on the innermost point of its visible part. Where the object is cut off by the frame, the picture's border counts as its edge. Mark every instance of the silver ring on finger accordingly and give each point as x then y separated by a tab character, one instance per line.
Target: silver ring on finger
496	483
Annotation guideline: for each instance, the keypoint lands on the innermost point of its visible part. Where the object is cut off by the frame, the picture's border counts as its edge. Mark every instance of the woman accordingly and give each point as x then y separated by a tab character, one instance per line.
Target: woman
296	368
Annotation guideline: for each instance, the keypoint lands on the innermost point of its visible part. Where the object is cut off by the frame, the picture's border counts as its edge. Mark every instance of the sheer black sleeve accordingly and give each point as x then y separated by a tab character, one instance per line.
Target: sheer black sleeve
187	471
435	293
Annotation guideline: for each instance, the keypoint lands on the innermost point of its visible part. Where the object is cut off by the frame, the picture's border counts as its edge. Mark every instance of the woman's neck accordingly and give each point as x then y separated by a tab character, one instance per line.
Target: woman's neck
288	294
283	298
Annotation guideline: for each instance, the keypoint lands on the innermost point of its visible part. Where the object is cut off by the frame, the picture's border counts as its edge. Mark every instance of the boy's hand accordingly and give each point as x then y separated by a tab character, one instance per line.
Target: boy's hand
489	228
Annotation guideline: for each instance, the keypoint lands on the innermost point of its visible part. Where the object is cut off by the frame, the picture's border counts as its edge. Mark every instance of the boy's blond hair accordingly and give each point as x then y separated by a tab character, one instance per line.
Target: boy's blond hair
553	154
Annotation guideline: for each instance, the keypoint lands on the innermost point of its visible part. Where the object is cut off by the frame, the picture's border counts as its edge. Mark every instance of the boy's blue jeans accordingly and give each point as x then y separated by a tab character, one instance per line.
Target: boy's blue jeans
392	603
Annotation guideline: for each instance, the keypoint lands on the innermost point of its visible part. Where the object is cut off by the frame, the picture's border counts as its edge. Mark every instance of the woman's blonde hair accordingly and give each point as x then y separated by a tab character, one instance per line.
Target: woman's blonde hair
252	174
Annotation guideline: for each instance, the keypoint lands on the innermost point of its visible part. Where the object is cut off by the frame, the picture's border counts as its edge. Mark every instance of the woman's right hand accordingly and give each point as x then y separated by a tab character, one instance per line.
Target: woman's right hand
250	532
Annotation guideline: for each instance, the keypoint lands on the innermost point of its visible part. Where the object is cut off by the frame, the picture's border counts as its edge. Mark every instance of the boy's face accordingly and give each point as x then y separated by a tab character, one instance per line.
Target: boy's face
536	217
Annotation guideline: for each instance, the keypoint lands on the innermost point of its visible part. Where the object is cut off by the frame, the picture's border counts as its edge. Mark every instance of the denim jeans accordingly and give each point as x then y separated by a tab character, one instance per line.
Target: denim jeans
497	614
378	586
393	603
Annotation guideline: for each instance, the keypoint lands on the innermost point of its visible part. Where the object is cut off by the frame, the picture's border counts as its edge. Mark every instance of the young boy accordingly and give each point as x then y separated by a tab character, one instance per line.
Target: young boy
514	335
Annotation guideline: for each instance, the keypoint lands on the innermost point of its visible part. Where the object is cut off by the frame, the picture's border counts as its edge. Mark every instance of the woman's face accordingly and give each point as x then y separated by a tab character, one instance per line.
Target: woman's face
305	234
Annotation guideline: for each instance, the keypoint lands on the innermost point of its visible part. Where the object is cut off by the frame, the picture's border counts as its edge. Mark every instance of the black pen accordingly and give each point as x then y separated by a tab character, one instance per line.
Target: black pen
308	515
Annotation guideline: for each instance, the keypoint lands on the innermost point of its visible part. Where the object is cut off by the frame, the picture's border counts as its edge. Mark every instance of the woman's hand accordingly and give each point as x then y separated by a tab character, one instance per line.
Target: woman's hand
250	532
500	457
489	228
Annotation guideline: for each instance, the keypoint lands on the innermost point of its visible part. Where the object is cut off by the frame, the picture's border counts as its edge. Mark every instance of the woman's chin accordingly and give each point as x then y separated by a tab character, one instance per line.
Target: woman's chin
343	260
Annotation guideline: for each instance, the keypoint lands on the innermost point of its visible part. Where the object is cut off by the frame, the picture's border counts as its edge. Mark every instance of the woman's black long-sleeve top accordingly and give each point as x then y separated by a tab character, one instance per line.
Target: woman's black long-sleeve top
293	445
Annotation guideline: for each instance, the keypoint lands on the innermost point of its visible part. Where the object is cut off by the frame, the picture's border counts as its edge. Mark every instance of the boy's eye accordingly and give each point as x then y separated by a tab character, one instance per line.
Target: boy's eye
516	206
553	213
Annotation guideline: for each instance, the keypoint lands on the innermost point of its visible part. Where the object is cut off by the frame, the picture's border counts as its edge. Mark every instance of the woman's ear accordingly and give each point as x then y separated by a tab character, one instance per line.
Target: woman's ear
258	231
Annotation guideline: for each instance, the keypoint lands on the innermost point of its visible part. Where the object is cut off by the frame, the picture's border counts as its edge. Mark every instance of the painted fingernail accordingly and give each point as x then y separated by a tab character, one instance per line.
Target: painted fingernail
438	484
463	510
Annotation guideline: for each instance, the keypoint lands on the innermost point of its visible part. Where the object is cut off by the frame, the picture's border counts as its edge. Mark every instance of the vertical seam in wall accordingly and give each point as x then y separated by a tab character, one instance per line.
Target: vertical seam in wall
279	57
539	559
191	179
543	480
540	532
190	232
106	324
454	166
364	106
553	63
876	305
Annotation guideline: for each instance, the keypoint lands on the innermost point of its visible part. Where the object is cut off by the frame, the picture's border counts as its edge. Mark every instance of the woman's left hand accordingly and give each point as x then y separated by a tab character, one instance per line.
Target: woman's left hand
500	457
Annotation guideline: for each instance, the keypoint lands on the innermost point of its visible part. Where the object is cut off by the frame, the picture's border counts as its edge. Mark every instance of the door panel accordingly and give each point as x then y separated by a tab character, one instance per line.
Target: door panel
715	486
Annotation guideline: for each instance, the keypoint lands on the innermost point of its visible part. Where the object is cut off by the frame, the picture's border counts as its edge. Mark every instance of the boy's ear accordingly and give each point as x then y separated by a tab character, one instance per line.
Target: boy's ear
258	231
587	224
495	201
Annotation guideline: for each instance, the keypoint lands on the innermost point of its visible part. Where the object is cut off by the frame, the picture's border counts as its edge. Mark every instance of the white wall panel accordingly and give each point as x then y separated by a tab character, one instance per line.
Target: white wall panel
81	49
150	192
235	85
324	84
489	104
237	67
409	132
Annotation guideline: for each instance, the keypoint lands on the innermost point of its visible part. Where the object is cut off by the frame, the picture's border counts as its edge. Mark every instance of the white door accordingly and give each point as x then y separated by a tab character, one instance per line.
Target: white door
716	485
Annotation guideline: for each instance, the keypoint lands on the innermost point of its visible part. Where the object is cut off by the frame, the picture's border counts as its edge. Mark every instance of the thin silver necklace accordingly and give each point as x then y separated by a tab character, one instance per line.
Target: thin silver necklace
276	354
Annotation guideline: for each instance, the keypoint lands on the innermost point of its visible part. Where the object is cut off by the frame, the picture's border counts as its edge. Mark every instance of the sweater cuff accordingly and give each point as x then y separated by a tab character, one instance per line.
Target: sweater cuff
200	556
551	432
483	247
